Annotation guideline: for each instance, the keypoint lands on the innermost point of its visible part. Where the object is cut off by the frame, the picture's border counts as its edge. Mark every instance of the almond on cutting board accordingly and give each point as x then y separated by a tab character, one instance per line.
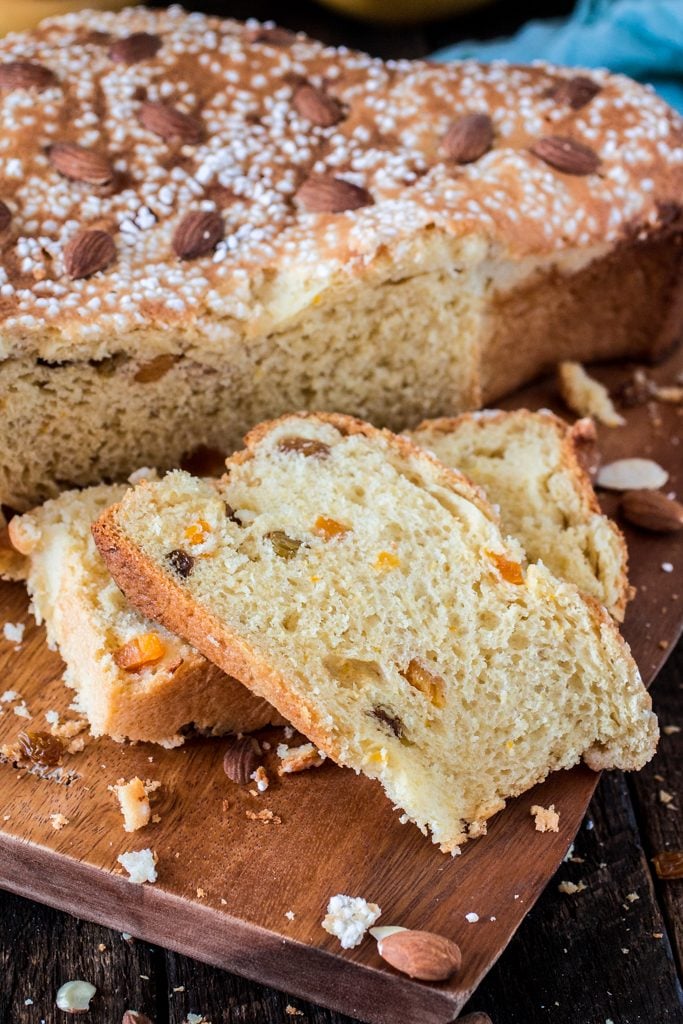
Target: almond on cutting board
422	955
652	510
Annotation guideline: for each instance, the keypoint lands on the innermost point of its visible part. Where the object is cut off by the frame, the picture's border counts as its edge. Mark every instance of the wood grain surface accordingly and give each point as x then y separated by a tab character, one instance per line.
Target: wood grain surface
226	881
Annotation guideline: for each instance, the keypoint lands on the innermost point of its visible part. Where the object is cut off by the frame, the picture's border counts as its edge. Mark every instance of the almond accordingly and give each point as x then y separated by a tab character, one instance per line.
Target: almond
88	252
575	92
468	138
197	234
170	123
566	155
652	510
80	164
23	74
632	475
241	759
422	955
317	106
323	193
271	35
134	48
5	216
135	1017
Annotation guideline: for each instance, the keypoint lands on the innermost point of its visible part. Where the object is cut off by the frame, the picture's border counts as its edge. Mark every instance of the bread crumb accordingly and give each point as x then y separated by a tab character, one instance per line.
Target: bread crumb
298	759
140	865
58	821
134	803
260	777
201	893
472	918
265	815
179	988
14	632
670	730
9	695
569	888
290	915
632	897
667	567
664	797
22	710
292	1011
156	818
547	818
348	918
102	948
586	396
196	1018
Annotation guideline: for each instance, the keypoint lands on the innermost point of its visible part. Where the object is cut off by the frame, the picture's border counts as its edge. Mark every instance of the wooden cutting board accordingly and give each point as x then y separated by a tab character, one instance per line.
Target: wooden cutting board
226	882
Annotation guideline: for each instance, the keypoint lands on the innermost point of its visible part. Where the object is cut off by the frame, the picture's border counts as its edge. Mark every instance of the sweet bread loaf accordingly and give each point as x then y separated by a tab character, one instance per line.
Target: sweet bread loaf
366	591
531	466
133	679
205	223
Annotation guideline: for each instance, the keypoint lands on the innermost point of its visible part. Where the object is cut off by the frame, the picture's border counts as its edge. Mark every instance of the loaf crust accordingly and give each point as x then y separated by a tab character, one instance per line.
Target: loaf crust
152	355
162	597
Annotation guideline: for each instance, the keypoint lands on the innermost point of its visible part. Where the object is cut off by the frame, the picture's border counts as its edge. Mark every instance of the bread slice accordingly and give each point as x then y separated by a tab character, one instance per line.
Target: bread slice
89	620
531	466
367	591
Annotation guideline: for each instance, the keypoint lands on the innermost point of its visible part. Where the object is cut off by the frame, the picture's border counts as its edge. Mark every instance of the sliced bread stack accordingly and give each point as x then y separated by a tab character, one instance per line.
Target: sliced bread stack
368	593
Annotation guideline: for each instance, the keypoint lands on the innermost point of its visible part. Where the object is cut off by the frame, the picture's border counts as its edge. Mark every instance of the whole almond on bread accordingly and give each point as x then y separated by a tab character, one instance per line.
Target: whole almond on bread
652	510
24	74
324	193
468	139
88	252
80	164
566	155
422	955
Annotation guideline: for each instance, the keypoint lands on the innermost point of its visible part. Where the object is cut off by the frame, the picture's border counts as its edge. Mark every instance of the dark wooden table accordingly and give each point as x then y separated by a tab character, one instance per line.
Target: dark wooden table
611	953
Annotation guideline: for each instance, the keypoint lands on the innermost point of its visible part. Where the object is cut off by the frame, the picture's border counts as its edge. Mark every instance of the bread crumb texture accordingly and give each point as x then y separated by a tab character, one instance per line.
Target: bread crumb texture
454	680
348	918
546	819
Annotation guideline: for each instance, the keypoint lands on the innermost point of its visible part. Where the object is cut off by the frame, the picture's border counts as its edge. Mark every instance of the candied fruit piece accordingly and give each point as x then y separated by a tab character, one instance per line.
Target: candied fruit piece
510	571
41	748
305	446
328	529
388	718
427	682
386	561
196	533
145	649
284	546
181	562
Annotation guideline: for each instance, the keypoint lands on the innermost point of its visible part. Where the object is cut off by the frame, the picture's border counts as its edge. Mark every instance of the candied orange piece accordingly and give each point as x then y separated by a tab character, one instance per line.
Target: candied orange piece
510	571
386	561
196	533
328	529
428	683
142	650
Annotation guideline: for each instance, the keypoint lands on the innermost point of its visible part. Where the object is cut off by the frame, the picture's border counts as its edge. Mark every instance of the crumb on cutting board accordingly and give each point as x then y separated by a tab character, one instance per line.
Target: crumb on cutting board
547	819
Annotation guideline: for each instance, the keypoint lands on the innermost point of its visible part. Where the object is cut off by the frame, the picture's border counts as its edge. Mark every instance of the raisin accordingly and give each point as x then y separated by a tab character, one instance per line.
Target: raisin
284	546
669	864
181	562
41	748
232	515
384	715
305	446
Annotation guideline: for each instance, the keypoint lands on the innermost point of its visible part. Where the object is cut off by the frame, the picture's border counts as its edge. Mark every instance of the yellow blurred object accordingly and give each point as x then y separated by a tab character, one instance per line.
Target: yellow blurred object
402	12
16	15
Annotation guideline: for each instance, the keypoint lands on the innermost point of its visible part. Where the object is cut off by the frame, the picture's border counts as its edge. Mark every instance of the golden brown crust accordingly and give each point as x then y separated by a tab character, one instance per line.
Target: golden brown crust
394	117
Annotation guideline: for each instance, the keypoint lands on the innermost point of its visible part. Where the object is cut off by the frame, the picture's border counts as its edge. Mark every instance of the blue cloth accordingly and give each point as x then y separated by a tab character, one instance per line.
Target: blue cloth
640	38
